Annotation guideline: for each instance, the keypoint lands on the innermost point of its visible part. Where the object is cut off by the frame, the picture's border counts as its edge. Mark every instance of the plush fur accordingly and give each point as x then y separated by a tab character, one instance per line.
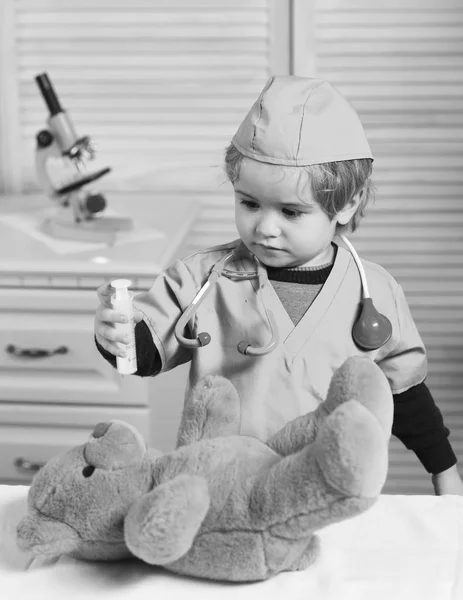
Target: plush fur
220	506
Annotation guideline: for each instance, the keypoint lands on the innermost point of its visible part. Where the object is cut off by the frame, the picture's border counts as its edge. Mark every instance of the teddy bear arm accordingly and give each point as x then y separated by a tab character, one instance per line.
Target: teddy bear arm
161	525
212	409
295	435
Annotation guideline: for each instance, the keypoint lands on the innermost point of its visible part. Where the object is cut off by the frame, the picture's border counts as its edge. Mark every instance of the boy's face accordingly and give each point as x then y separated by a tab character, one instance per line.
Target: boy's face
277	218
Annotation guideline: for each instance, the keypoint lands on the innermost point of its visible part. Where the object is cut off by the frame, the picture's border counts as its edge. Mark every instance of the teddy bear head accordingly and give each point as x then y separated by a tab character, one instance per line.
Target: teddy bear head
78	500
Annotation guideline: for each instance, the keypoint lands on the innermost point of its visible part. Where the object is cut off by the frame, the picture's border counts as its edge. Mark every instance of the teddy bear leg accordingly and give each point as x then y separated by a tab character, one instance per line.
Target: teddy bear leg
308	556
358	378
295	435
335	477
352	451
212	409
161	525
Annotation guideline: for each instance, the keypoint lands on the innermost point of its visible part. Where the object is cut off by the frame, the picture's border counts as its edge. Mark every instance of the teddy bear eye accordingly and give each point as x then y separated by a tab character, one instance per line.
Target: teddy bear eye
88	471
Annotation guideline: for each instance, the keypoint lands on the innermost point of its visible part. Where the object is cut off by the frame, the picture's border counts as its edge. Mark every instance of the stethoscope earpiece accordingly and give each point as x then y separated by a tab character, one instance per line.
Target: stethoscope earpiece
203	338
372	329
243	347
247	349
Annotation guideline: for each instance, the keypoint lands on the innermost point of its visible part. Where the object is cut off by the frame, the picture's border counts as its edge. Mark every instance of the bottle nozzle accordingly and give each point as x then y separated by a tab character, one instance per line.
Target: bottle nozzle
122	288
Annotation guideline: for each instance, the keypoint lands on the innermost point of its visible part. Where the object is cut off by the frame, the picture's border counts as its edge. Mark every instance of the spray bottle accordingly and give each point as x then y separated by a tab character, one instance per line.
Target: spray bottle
122	302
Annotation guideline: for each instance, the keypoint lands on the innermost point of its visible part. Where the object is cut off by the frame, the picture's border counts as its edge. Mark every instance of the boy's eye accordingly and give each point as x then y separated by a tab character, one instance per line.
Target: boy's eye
250	204
292	214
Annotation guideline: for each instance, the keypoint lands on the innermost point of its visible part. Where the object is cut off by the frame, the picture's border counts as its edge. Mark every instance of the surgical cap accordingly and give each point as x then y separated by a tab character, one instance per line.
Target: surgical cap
300	121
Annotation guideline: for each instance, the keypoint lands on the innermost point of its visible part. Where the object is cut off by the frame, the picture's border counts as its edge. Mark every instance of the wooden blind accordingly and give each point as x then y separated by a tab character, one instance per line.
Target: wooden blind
400	62
159	85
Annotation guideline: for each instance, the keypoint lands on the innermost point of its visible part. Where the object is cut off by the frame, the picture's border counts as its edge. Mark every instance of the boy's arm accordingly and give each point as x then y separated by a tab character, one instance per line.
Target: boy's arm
148	359
419	425
448	482
418	422
161	307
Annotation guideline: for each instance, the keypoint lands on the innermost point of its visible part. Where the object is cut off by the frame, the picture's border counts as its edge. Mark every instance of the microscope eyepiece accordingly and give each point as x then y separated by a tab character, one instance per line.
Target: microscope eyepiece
48	94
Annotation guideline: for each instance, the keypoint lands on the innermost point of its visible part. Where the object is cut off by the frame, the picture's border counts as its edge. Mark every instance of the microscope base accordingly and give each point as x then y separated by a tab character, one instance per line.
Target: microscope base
99	229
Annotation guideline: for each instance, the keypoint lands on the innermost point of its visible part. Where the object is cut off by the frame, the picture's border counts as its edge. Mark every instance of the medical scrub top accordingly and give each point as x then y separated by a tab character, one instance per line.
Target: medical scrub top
293	379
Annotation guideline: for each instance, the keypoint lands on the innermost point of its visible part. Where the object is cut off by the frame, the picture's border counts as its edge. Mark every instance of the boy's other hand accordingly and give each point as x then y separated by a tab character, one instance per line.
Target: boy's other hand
448	482
105	320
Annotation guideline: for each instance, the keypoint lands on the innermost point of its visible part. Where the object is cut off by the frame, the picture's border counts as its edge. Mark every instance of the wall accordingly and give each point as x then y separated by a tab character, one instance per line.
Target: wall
401	65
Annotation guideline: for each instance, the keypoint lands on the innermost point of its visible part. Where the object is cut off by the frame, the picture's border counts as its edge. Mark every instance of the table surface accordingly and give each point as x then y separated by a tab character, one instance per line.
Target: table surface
403	548
22	255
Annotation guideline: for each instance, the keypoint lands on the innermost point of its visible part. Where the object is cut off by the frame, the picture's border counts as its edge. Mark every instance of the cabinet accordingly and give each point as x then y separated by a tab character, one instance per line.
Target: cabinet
54	385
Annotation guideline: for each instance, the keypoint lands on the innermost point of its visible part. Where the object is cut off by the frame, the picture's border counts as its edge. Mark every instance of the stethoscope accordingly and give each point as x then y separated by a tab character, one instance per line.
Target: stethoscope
370	331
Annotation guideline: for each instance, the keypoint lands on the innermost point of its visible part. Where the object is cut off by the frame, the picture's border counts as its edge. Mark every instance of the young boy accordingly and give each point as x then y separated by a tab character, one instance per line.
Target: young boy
300	165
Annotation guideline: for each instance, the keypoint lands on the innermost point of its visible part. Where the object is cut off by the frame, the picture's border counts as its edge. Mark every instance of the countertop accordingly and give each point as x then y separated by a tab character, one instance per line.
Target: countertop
26	260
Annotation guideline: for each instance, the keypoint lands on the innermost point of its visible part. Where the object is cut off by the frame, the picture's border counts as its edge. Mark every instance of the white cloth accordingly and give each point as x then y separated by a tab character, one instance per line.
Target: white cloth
404	548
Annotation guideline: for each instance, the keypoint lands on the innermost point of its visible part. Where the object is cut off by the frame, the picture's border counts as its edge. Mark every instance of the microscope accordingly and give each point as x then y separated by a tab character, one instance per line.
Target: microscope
80	210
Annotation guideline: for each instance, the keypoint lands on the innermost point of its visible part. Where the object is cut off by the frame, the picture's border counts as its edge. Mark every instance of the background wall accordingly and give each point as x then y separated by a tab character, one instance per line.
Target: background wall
400	62
160	85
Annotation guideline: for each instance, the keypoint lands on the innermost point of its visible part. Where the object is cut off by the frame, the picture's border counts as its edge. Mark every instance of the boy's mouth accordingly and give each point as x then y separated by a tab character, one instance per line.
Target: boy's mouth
267	247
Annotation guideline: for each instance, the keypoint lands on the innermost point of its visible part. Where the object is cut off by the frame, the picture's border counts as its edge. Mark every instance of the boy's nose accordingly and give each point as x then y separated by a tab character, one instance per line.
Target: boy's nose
267	226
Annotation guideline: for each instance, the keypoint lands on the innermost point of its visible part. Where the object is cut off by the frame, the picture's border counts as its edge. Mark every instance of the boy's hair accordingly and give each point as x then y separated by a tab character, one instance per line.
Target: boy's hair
333	184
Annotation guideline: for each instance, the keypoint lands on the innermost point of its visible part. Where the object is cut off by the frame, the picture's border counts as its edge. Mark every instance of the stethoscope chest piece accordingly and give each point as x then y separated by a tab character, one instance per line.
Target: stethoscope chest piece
372	329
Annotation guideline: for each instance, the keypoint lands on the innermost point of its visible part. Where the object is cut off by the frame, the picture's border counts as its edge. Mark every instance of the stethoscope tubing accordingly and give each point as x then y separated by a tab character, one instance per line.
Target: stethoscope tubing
203	338
358	262
370	332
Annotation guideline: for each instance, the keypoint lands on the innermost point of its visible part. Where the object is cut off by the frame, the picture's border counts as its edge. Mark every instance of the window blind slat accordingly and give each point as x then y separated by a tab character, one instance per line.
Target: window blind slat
380	7
160	86
148	17
34	6
400	62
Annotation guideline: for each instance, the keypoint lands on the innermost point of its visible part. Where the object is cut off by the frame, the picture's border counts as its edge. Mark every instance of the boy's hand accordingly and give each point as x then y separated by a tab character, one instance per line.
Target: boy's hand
106	318
448	482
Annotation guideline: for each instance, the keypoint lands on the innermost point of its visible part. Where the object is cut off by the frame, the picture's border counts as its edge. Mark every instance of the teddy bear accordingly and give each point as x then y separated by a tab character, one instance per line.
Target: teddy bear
220	506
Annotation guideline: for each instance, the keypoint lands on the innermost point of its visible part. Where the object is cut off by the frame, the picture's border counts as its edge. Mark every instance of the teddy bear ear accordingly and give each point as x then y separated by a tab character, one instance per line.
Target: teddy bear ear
114	445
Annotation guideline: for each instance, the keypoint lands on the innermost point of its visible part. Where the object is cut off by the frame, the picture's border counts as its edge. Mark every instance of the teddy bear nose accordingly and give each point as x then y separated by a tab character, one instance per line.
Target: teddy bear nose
100	429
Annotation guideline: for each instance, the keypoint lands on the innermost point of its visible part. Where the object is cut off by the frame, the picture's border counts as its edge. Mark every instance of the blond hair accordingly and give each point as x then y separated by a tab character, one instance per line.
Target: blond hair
333	184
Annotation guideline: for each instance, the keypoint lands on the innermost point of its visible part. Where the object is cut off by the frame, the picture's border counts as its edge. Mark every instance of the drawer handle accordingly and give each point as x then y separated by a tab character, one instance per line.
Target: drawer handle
25	466
35	352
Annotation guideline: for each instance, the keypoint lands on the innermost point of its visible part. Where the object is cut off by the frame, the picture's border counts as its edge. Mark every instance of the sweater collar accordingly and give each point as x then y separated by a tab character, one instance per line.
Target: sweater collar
308	275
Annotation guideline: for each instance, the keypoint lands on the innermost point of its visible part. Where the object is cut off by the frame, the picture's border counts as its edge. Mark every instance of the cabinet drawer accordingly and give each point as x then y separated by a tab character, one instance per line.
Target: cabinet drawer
47	320
24	448
46	342
51	300
49	355
18	414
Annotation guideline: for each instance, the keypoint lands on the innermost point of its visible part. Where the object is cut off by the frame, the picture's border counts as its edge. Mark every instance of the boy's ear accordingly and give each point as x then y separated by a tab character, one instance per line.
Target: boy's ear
345	214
